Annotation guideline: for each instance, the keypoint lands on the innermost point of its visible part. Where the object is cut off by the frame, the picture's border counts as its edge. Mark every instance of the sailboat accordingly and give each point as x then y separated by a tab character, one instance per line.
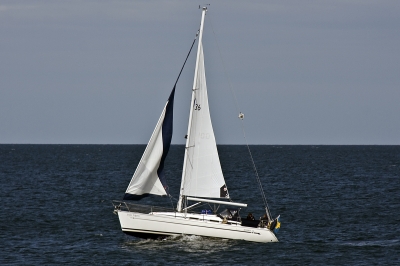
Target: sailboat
202	179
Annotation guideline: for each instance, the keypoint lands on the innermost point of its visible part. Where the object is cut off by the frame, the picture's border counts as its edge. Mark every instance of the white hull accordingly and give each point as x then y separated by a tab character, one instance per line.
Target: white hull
154	225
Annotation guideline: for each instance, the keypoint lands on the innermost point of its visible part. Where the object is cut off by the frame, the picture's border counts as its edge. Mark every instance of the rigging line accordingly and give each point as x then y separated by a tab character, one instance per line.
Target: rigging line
172	197
242	122
224	68
195	38
256	173
172	203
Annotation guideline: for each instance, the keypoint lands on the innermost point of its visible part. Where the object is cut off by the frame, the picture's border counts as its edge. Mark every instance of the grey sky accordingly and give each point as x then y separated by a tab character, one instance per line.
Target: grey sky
304	72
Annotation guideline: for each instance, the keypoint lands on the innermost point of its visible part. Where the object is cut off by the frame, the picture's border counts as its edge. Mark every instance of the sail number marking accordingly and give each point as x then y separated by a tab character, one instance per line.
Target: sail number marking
204	135
197	106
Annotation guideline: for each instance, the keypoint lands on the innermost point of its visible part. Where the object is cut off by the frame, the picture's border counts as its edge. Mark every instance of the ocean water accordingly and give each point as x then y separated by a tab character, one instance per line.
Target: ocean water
339	205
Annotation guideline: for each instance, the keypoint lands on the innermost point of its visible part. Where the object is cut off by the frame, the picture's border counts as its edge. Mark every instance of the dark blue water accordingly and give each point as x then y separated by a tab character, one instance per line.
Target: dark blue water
339	205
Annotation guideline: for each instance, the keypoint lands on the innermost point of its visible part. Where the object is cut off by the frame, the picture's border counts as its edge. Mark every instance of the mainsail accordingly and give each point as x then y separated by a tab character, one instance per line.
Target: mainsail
149	177
202	174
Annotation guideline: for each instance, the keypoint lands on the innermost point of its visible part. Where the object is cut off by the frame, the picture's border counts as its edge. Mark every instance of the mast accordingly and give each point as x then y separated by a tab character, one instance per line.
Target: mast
181	198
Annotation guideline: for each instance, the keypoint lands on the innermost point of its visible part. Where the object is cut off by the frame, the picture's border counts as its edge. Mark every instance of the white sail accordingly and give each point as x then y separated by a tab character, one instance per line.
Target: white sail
149	175
202	173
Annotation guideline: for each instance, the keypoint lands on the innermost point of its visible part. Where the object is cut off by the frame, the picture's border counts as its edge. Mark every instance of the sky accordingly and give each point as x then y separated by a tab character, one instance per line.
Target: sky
100	72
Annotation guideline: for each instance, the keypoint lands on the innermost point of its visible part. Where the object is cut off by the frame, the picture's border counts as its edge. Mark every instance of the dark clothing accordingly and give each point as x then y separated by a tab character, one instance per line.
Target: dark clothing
250	217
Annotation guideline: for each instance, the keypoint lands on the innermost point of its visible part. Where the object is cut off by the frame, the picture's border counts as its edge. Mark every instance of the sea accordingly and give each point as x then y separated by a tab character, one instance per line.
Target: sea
338	205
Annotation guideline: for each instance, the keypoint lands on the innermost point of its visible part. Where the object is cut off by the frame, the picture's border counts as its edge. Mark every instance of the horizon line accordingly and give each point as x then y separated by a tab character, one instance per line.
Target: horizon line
182	144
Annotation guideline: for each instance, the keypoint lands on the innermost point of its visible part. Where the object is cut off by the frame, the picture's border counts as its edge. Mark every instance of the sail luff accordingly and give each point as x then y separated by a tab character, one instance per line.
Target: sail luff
166	136
180	201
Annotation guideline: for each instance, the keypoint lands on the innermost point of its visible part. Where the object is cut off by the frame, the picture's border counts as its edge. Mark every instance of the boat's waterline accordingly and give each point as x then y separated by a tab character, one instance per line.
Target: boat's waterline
154	225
